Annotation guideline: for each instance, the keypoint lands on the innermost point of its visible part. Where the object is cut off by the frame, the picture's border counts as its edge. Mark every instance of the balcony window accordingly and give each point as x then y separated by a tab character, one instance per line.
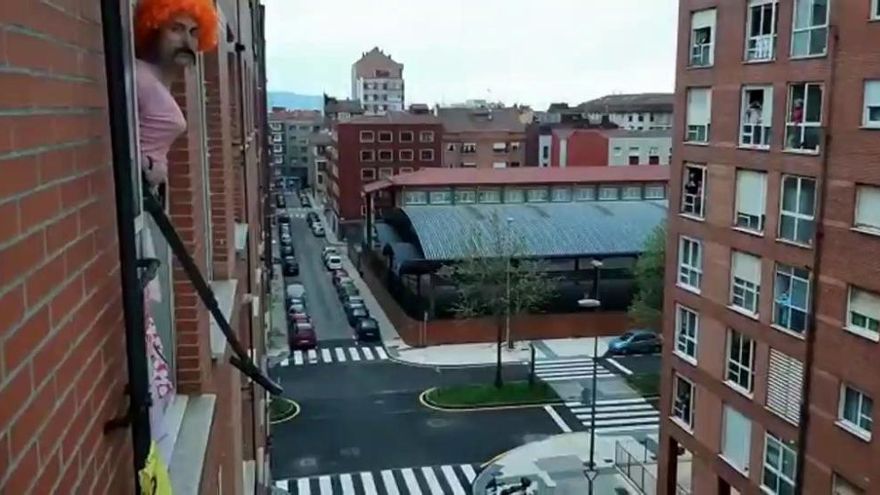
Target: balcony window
736	438
609	193
803	127
867	212
745	282
440	197
683	402
757	116
514	195
368	174
809	35
863	314
690	264
687	327
761	30
797	214
367	136
538	195
386	156
855	411
426	136
489	195
699	114
467	148
465	196
740	365
560	194
655	191
426	155
780	462
791	297
415	197
406	136
386	136
872	104
694	191
407	155
585	193
751	194
702	38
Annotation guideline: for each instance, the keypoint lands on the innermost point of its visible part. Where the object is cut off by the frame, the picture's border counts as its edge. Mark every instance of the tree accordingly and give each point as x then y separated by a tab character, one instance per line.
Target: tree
481	279
647	305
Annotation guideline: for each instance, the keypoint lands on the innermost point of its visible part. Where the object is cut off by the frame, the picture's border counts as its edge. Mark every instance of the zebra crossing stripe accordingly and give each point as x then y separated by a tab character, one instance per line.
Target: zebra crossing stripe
469	472
297	357
433	483
369	485
427	480
368	353
410	479
347	484
326	356
452	479
326	485
354	354
381	353
390	484
303	487
340	354
313	356
283	485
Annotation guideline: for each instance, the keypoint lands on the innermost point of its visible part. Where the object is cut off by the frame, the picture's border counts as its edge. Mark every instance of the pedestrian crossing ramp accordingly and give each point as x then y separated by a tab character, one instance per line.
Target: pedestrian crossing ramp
331	355
432	480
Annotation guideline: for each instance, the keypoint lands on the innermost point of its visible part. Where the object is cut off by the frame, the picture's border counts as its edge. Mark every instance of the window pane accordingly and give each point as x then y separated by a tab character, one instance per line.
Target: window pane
807	197
814	101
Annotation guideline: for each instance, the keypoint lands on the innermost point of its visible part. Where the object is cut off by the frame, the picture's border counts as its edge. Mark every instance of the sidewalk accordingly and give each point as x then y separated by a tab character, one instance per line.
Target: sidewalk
485	353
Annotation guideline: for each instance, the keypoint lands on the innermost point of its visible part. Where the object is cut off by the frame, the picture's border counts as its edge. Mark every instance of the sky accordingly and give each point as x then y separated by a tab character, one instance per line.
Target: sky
530	52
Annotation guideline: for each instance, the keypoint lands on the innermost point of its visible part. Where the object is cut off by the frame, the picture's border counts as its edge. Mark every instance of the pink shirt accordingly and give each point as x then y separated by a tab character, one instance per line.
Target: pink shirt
160	121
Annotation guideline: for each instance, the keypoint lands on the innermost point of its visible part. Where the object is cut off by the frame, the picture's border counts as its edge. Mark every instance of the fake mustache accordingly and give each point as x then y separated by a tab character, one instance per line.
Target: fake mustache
185	51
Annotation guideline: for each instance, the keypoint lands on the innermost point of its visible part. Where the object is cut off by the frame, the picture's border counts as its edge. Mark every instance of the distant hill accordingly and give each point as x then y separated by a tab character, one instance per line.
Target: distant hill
295	101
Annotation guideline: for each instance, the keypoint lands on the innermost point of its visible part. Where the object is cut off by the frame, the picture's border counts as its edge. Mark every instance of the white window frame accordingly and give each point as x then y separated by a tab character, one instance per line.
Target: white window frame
468	148
756	127
702	54
796	133
694	204
761	47
368	173
784	308
609	193
430	152
866	217
404	133
776	470
690	270
405	170
388	134
866	325
698	126
862	424
651	191
499	165
514	195
537	195
465	196
678	409
871	100
367	137
875	10
370	153
585	193
499	147
388	152
617	151
801	220
746	216
810	30
785	378
417	197
440	197
560	194
687	333
631	193
489	195
426	136
842	486
411	154
739	366
743	289
386	172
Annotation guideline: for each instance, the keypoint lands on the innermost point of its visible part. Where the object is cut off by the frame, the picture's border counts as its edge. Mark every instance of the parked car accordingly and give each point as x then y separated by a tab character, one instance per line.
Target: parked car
339	276
280	202
346	291
311	217
290	266
297	307
298	317
284	219
635	342
287	250
285	238
302	336
327	251
353	300
306	202
318	230
295	290
367	330
333	262
296	300
355	313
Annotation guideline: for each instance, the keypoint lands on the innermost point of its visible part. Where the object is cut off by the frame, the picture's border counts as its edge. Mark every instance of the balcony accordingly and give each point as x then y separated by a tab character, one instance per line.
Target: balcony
803	137
761	48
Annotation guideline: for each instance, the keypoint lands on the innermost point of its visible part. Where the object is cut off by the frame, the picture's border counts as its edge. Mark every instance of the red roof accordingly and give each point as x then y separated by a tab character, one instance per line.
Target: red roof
299	115
521	176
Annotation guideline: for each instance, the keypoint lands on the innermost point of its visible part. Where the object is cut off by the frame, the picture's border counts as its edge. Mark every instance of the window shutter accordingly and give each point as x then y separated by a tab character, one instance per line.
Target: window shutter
703	18
747	267
736	443
865	303
784	382
868	207
698	106
750	192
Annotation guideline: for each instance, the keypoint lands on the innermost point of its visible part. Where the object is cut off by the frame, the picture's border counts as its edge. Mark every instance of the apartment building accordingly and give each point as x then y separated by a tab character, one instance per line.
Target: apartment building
291	130
371	148
485	137
336	110
772	311
573	147
377	82
74	232
636	112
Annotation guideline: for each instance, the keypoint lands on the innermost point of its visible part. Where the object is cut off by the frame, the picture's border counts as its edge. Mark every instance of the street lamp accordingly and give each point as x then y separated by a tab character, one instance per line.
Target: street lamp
509	250
593	303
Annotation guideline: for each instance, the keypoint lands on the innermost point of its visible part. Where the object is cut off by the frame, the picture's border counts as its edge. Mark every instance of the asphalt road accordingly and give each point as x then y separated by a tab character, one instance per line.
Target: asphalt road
639	365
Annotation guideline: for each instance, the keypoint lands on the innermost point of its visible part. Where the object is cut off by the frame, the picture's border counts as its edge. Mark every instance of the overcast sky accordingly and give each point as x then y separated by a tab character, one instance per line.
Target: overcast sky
516	51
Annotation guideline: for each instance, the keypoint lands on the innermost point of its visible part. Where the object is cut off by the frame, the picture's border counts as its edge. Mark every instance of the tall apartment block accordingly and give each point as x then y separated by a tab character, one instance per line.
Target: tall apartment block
772	311
377	82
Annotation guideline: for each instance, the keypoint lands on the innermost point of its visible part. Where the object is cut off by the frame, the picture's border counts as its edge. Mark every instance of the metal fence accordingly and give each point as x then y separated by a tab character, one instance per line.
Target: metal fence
634	470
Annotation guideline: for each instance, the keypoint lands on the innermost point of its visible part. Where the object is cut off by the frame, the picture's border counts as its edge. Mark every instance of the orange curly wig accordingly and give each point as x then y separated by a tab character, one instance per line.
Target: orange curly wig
152	14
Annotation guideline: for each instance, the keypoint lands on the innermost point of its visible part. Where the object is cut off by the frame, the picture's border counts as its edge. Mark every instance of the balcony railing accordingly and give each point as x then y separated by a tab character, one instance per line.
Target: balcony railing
761	48
641	473
692	204
803	137
757	135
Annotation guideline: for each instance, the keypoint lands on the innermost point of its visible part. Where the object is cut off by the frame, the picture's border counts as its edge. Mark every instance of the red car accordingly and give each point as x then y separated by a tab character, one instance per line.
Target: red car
298	317
302	336
339	275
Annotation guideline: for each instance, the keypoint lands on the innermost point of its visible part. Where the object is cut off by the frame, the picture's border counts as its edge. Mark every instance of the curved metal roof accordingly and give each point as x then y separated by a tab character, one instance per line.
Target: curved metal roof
601	228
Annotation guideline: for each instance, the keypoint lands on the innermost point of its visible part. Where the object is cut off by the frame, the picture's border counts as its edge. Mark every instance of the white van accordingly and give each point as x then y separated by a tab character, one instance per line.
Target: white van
334	262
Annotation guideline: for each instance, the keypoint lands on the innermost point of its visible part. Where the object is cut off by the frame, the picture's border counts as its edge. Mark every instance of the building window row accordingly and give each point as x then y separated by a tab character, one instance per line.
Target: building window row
649	191
425	155
388	136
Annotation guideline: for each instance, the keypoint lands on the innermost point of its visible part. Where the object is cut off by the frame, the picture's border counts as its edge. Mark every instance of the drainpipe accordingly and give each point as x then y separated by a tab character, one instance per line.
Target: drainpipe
117	50
818	239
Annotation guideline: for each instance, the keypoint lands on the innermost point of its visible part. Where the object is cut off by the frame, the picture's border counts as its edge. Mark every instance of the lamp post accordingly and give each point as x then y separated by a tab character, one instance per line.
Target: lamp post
593	303
509	250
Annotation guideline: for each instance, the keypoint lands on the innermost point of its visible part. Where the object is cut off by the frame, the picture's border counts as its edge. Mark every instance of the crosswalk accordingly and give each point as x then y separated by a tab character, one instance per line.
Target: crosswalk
329	355
430	480
619	415
557	370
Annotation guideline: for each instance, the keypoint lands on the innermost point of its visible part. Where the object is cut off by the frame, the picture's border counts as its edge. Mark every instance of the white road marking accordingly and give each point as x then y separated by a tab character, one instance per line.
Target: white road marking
452	480
469	472
411	484
369	484
354	354
313	356
381	353
367	353
433	483
303	487
285	363
297	357
340	355
326	485
326	356
623	369
282	484
390	484
347	484
557	419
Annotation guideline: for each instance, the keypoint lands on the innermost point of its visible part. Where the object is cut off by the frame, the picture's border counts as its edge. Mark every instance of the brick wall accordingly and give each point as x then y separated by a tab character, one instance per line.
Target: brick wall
62	356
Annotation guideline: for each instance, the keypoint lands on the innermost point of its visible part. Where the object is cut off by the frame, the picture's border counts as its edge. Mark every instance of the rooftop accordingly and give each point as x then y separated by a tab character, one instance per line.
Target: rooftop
397	118
645	102
521	176
509	119
277	115
614	133
376	59
335	105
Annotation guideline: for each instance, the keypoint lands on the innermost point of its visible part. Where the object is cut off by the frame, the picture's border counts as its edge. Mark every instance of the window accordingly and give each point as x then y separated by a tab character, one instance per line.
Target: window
415	197
489	196
797	212
367	136
368	156
465	196
803	127
469	164
683	404
745	282
872	104
854	412
514	164
407	155
875	9
386	136
784	381
867	214
809	34
426	136
687	327
653	160
405	170
368	174
386	155
740	366
545	152
469	148
633	160
791	297
632	192
515	145
275	126
863	313
426	155
690	263
538	195
450	147
693	192
780	462
499	164
585	193
385	172
278	160
406	137
736	438
699	114
514	195
843	487
756	116
702	38
751	193
277	138
499	147
277	148
440	197
560	194
655	191
618	151
761	30
609	193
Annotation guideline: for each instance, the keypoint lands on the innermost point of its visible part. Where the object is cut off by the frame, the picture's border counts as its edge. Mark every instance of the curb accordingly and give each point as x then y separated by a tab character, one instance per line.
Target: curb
423	399
403	362
297	410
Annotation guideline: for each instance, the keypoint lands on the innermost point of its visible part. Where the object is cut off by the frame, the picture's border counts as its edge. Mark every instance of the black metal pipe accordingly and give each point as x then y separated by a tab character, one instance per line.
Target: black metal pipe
119	71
